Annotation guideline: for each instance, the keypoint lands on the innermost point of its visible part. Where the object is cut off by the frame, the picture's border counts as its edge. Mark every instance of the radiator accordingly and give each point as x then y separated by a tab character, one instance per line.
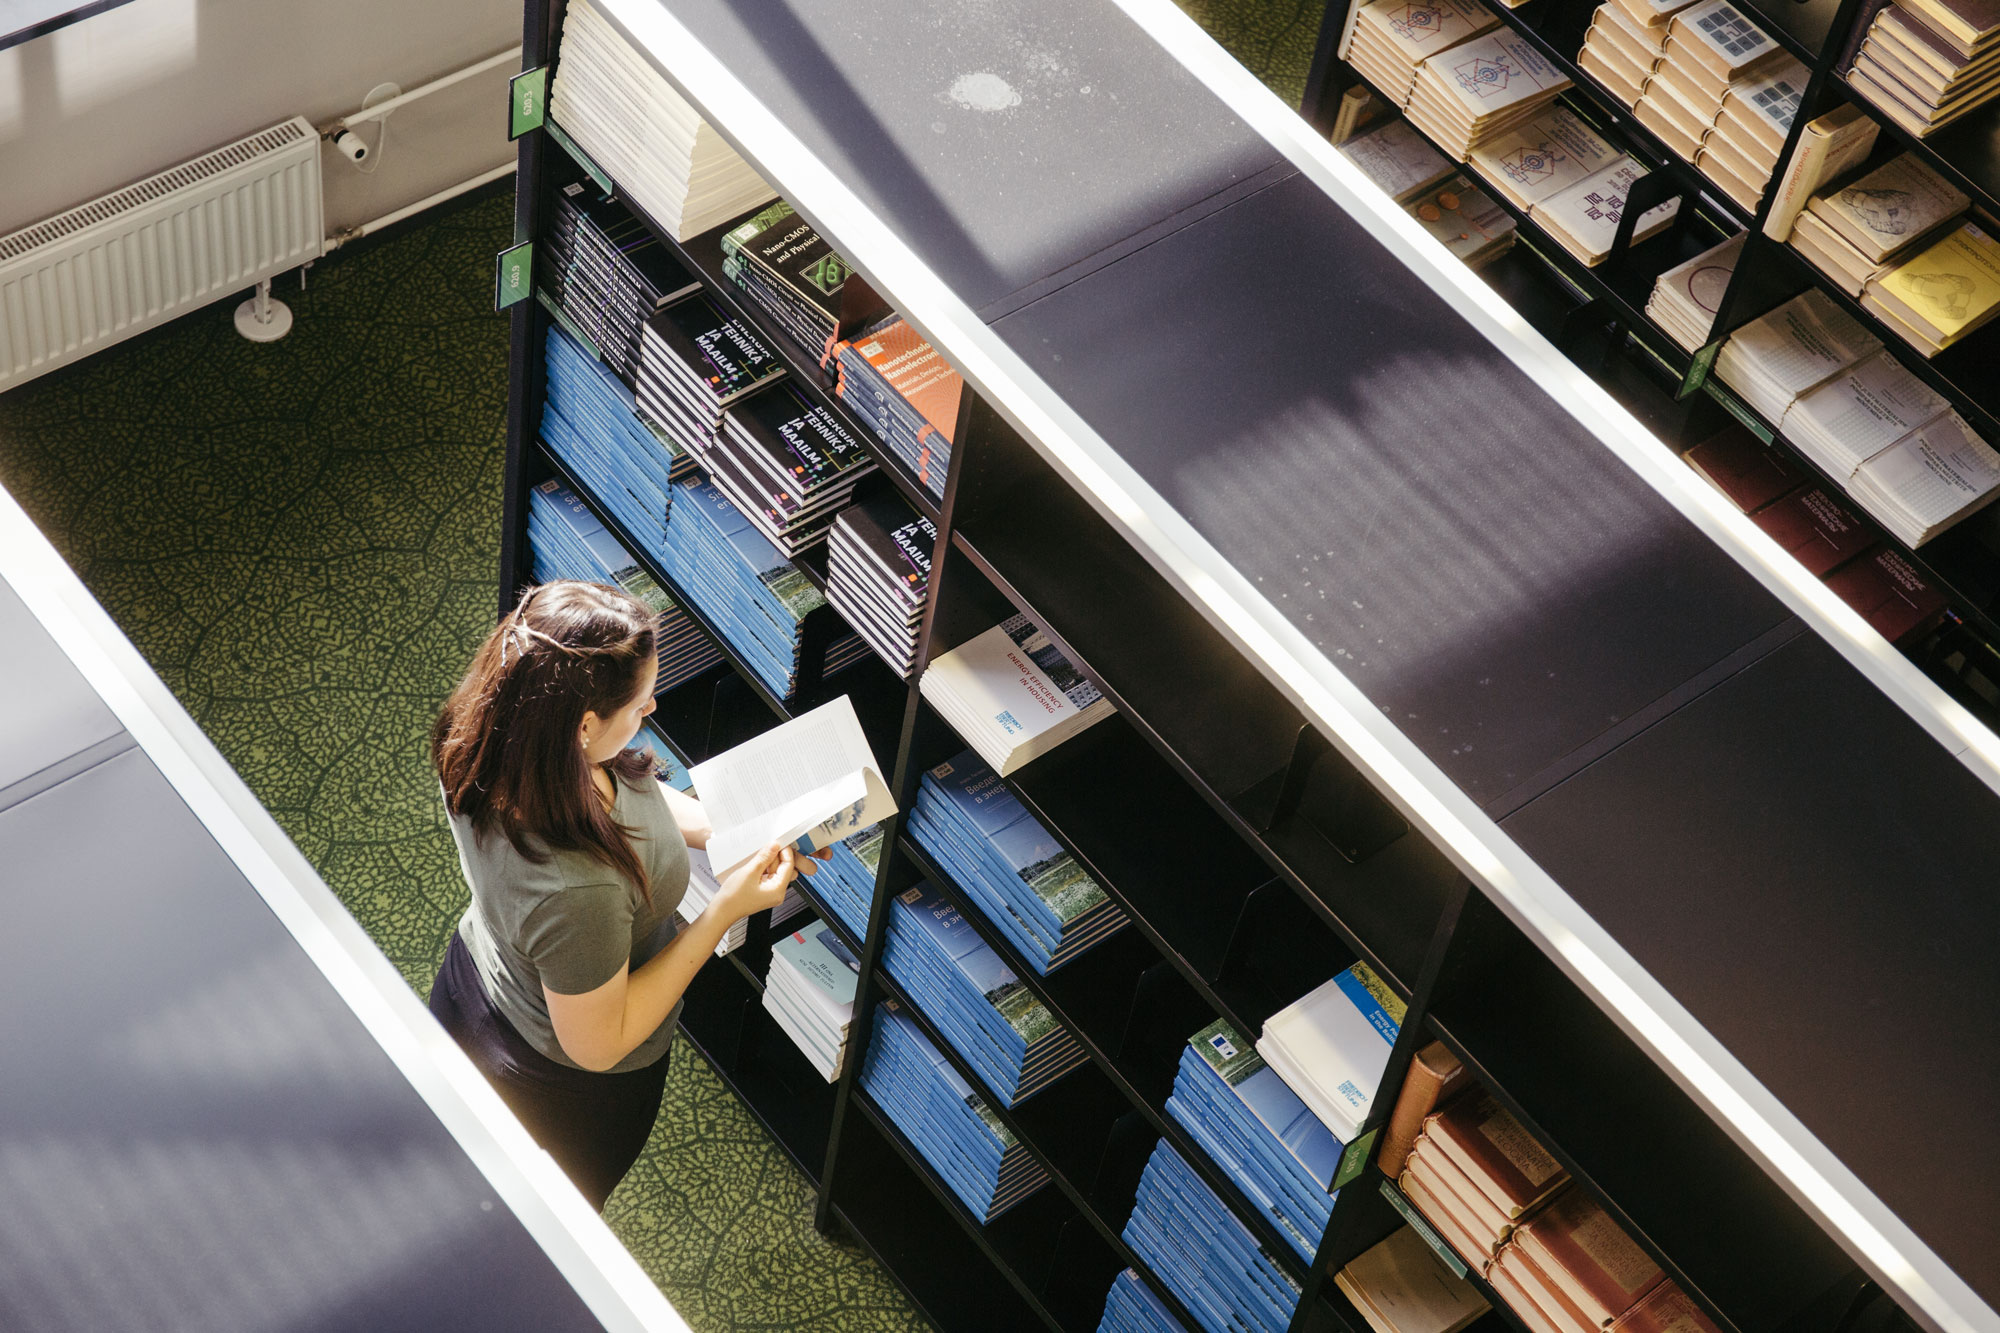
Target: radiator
140	256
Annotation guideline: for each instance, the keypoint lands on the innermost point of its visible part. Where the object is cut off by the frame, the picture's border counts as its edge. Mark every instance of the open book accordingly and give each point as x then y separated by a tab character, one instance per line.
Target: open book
806	784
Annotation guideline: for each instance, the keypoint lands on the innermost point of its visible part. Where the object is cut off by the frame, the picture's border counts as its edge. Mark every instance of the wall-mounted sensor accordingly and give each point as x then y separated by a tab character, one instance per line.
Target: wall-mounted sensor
351	145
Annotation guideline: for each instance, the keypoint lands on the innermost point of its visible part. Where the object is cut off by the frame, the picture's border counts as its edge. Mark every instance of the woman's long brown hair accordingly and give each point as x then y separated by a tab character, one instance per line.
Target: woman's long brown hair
506	745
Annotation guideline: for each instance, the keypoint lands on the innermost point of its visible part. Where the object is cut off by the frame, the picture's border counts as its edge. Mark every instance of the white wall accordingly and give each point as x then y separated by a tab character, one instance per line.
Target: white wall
154	82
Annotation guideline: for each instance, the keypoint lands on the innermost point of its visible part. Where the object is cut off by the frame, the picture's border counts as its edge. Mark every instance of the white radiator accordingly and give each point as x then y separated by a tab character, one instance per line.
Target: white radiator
139	256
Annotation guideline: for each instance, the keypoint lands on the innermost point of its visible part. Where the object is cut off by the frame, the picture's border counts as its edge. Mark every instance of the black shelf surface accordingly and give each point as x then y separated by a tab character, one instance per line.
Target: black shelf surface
1966	152
1963	562
1838	939
1096	999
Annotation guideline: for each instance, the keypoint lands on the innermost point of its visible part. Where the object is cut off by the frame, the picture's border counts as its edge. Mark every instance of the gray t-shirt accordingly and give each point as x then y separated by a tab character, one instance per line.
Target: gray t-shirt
571	922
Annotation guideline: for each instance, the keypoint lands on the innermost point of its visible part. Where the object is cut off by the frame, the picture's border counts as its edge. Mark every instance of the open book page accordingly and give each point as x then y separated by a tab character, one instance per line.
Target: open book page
808	784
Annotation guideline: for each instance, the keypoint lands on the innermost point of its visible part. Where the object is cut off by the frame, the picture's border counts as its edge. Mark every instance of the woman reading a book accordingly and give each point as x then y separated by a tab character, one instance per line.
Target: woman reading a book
565	975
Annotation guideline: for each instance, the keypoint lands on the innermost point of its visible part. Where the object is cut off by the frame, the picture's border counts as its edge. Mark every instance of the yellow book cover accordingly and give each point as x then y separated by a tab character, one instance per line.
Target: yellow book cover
1953	286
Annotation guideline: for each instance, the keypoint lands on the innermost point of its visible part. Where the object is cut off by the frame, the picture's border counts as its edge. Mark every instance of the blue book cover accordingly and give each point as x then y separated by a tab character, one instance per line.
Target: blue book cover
1237	1066
958	943
1051	876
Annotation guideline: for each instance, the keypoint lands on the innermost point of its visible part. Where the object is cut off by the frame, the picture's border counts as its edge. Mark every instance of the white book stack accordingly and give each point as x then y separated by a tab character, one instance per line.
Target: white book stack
1795	348
1481	88
1584	217
624	113
1621	49
1332	1045
810	992
1860	412
1397	159
701	890
1741	155
1542	158
1687	296
1012	694
1928	480
1393	37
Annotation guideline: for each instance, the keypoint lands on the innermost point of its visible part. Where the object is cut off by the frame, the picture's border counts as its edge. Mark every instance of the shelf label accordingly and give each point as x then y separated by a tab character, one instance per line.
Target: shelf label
1738	409
514	275
1697	375
1355	1159
527	101
1444	1252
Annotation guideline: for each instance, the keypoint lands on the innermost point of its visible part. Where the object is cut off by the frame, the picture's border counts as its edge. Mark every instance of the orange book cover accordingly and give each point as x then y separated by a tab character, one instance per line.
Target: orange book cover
1524	1306
1527	1282
1580	1249
1445	1221
1438	1172
1435	1076
1500	1156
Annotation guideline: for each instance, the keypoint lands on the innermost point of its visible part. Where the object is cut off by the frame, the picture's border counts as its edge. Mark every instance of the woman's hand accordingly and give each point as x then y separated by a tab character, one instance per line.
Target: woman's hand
758	883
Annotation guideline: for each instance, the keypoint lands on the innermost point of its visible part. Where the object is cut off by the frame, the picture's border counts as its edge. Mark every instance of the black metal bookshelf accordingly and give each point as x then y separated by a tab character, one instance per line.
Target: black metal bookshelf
1253	858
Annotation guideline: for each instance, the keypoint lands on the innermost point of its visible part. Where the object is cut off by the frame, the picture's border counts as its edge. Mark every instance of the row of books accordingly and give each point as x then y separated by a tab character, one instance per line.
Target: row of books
609	273
1857	233
1203	1252
1429	186
878	575
590	420
1895	445
1714	86
1453	70
624	113
1926	63
845	882
1687	297
1821	533
1025	882
947	1123
949	971
809	992
1502	1201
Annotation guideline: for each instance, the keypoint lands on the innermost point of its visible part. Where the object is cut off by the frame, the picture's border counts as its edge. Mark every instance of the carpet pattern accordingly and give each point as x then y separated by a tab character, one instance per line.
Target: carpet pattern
302	540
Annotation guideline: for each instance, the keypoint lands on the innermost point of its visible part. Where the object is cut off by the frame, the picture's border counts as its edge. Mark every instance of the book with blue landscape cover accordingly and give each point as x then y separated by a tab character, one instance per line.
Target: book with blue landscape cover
1051	875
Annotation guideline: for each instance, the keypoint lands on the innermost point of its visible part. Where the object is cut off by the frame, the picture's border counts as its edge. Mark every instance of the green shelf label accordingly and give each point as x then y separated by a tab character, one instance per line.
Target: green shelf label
514	275
1446	1255
1697	375
1355	1160
527	101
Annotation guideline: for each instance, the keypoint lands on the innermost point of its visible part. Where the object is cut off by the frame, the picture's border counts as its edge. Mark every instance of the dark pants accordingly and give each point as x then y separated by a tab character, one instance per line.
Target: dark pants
594	1125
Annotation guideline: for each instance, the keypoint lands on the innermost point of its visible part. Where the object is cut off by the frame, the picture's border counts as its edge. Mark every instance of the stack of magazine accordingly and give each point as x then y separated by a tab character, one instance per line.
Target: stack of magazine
1131	1307
845	882
694	361
788	463
569	543
973	999
625	114
945	1121
1012	694
1025	882
789	270
610	274
701	890
1253	1126
1331	1045
907	393
743	584
878	574
590	422
810	992
1203	1252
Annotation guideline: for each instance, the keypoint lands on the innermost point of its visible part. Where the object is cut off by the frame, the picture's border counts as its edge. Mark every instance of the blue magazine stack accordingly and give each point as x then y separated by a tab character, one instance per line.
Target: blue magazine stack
1251	1123
742	583
1021	877
591	423
1204	1254
1131	1307
947	1123
845	882
953	975
569	543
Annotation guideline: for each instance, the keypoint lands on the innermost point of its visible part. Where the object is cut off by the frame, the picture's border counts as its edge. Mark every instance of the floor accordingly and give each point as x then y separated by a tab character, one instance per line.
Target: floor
302	540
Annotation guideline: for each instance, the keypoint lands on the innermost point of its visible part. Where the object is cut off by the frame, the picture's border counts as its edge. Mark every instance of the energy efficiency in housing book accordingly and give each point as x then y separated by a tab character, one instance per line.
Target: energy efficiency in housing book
1252	1125
1025	882
951	973
947	1124
1011	694
1332	1044
567	542
1204	1253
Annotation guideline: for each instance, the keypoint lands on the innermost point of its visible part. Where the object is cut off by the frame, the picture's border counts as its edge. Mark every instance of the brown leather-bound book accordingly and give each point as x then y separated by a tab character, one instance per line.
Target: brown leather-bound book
1501	1158
1744	468
1435	1076
1446	1222
1820	532
1886	588
1667	1309
1588	1257
1472	1210
1532	1295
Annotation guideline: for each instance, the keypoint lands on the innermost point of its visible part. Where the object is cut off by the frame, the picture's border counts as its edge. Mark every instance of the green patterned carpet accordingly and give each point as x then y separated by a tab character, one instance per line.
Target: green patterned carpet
302	539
